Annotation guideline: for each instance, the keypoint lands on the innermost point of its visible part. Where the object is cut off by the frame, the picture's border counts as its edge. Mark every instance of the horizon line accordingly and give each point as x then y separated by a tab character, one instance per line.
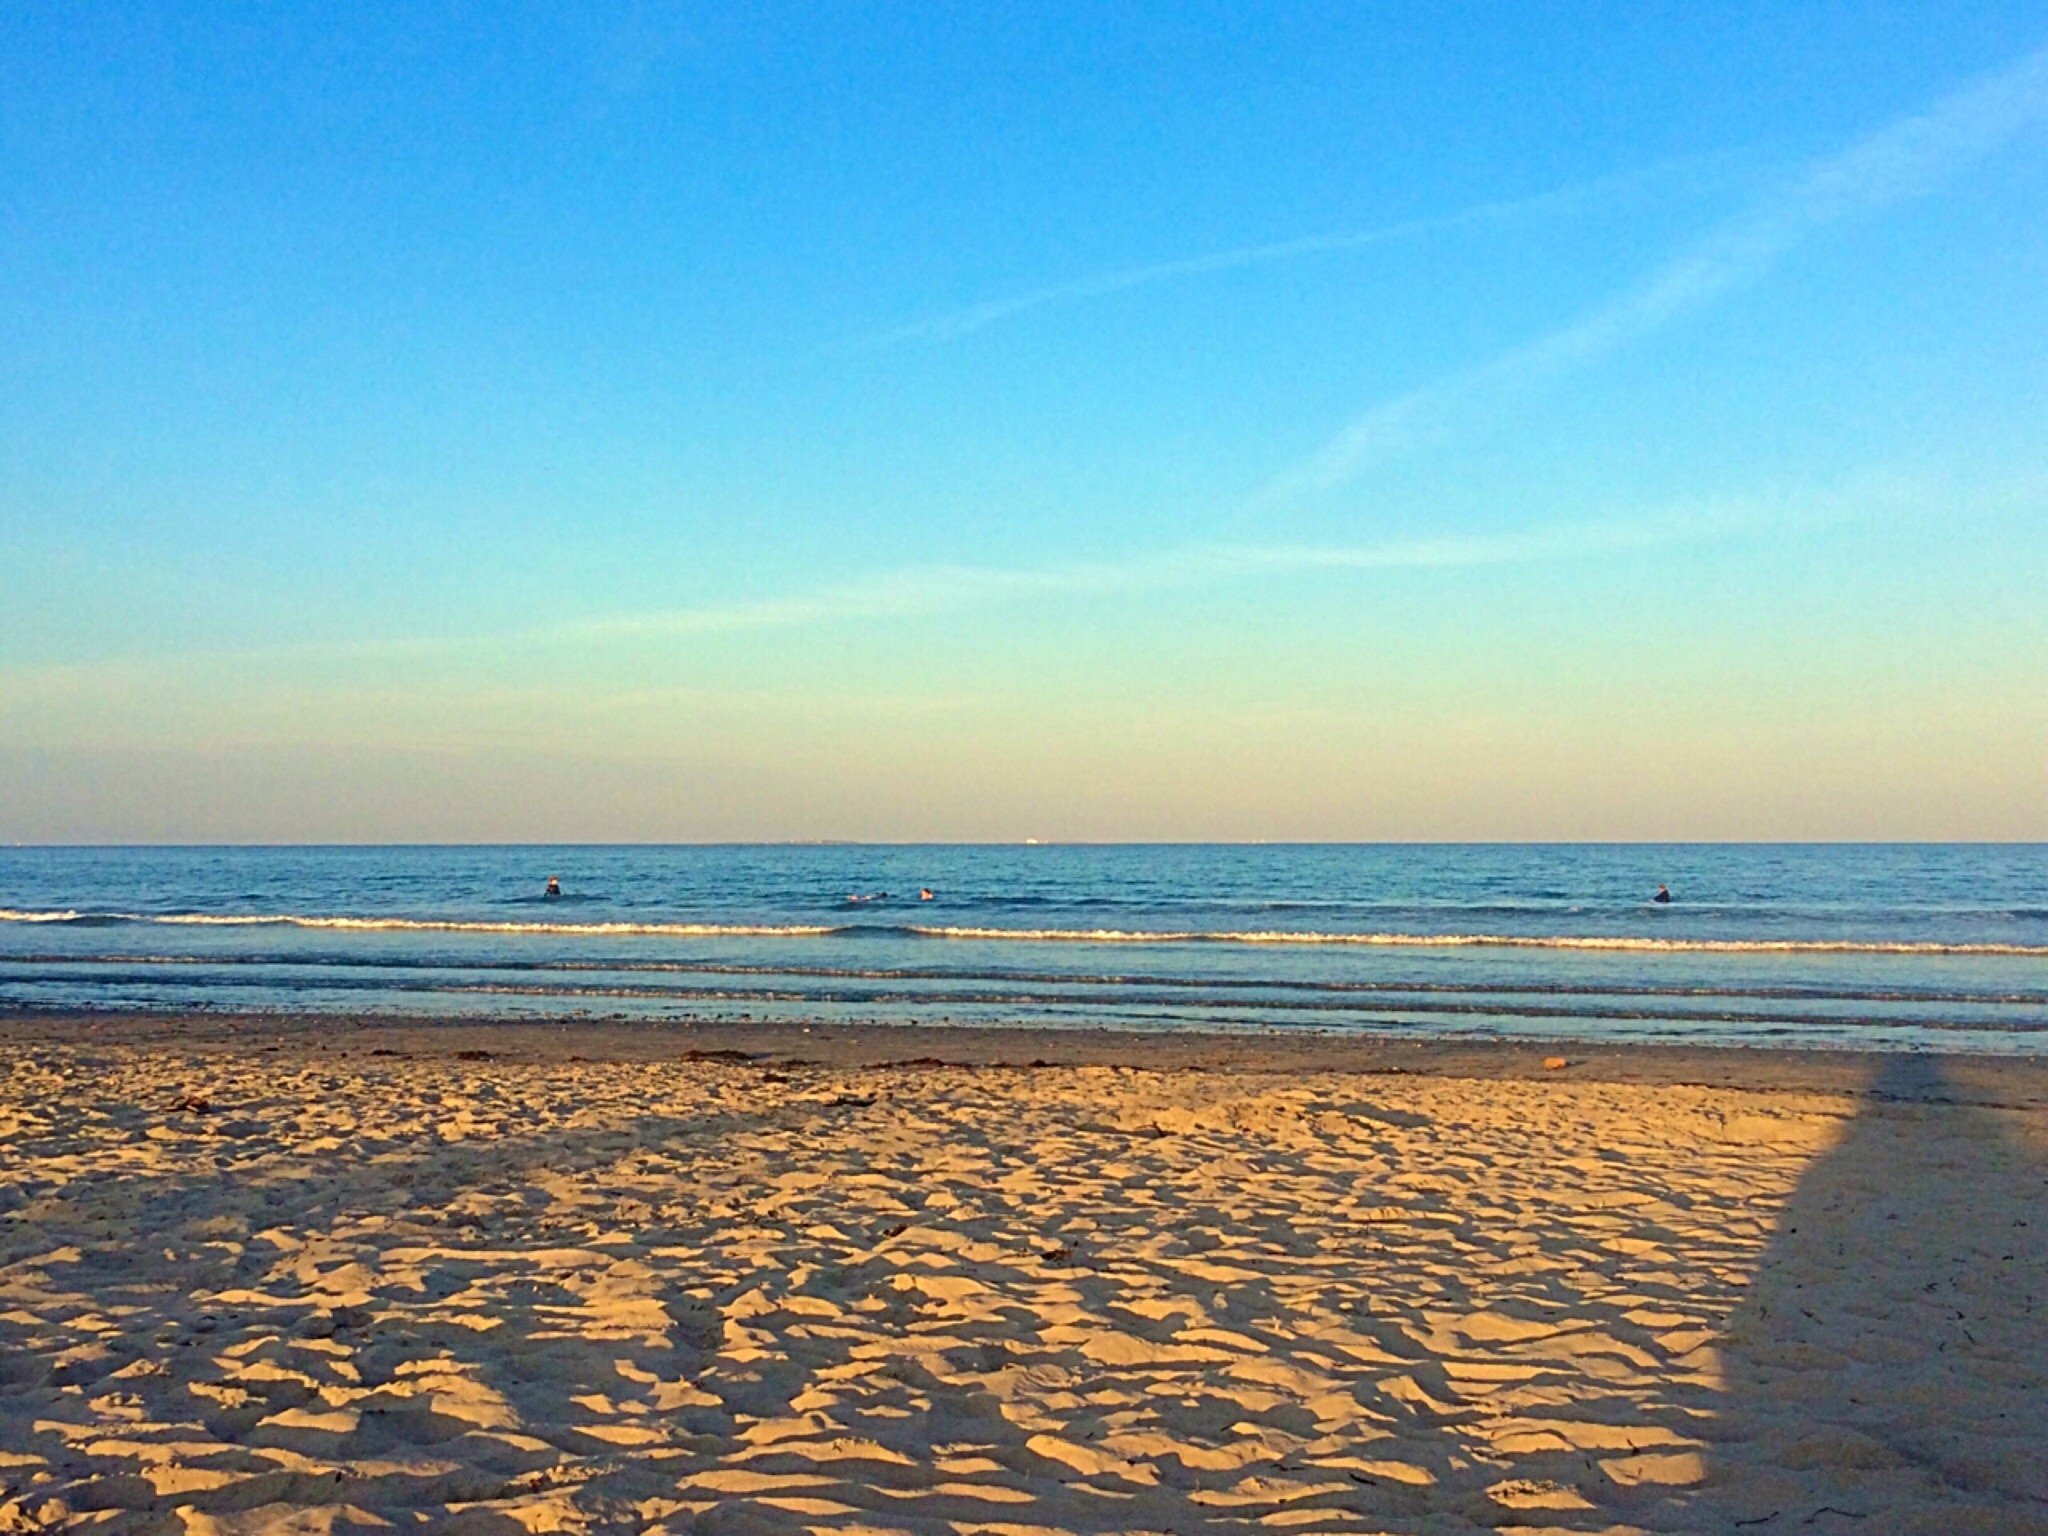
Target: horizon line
1071	842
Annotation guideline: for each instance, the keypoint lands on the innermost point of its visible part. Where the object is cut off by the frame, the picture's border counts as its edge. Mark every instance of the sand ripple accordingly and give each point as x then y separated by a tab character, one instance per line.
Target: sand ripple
251	1290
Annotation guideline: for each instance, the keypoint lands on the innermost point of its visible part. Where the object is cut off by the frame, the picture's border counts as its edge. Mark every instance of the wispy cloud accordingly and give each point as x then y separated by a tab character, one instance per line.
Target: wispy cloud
924	590
952	324
1903	160
939	589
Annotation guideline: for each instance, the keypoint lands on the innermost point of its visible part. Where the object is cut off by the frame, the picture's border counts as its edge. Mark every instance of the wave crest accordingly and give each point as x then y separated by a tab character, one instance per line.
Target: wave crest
1485	941
424	924
1105	936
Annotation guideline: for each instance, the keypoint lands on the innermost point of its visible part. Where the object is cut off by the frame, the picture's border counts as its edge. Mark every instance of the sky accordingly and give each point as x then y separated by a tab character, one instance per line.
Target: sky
1310	422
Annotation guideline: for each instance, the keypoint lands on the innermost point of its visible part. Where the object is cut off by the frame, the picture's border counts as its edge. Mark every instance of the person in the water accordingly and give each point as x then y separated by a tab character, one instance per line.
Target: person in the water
554	885
1663	894
924	893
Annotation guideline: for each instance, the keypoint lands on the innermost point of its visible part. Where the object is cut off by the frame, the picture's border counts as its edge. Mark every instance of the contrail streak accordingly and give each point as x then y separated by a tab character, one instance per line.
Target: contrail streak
956	323
1903	160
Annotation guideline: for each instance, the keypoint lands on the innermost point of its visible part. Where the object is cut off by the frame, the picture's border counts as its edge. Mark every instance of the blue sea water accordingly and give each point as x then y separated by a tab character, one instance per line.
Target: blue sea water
1867	945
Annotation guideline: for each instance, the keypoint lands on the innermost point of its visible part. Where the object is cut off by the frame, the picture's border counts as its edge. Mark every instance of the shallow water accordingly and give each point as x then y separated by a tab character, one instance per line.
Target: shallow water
1873	945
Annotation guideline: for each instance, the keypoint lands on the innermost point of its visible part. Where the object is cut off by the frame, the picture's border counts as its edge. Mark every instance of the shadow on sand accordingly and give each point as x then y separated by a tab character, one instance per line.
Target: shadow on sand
1888	1369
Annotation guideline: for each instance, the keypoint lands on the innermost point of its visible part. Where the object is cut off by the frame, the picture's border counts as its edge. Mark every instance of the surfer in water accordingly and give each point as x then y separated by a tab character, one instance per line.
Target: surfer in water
554	886
1663	895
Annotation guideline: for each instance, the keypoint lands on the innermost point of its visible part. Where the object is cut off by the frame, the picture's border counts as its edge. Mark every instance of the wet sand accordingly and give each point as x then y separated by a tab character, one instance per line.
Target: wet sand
321	1274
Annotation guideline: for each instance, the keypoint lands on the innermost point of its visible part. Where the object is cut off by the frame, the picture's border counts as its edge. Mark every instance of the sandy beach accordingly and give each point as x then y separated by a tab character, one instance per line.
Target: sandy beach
333	1275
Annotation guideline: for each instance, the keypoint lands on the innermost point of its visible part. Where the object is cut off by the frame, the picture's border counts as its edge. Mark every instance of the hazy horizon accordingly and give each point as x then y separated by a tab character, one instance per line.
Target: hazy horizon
1176	424
1041	842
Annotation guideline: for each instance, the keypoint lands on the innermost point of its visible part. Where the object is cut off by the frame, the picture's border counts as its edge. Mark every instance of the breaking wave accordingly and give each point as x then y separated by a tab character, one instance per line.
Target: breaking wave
424	924
1102	936
1488	941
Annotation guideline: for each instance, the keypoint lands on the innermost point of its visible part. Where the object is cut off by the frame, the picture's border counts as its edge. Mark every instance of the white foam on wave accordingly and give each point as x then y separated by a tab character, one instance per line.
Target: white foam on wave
426	924
456	925
1483	941
1618	943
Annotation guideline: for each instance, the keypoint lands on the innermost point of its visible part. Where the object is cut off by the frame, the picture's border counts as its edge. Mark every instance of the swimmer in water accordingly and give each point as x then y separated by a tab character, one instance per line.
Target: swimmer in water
1663	894
924	893
554	885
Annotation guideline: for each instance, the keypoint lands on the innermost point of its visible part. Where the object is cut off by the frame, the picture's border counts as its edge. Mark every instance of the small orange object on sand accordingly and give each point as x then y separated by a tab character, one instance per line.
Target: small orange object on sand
1554	1063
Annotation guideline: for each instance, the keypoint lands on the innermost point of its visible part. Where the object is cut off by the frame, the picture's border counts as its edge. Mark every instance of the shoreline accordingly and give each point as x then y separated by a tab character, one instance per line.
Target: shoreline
1961	1077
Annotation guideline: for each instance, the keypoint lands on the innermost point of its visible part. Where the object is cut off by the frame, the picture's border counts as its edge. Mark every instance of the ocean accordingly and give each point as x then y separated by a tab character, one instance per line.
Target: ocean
1881	945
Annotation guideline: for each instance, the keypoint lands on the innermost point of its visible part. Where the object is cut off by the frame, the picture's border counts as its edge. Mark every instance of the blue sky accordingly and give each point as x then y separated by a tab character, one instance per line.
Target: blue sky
1094	422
